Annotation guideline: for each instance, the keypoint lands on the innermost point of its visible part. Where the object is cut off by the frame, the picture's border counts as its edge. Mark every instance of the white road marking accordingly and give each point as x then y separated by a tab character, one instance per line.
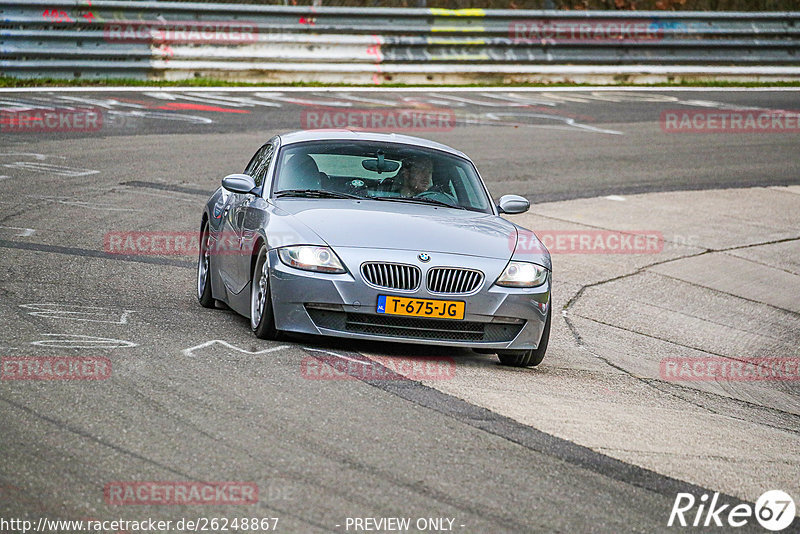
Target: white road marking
568	122
303	101
348	358
215	99
77	341
324	351
191	350
380	102
241	101
616	197
91	205
50	168
76	312
40	157
23	232
162	115
83	204
522	99
485	103
107	103
19	107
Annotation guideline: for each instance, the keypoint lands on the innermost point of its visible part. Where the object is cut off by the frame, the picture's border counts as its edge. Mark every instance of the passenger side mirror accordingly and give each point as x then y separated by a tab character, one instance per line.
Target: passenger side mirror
513	204
239	183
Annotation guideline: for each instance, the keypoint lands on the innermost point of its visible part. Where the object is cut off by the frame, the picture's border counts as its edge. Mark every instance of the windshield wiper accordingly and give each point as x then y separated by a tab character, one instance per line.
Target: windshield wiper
314	193
420	201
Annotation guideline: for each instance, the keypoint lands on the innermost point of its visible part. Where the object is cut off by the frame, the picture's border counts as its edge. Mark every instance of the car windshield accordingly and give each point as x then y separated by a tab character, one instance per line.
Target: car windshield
379	171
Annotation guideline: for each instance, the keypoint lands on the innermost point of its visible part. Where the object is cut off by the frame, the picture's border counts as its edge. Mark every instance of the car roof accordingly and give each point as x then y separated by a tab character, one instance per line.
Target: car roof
350	135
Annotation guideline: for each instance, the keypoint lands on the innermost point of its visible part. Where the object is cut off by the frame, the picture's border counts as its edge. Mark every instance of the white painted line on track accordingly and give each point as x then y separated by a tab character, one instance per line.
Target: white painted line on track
79	341
324	351
191	350
348	358
23	232
76	312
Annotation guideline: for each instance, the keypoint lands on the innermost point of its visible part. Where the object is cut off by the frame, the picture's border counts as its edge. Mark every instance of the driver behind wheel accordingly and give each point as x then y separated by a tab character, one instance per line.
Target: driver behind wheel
418	176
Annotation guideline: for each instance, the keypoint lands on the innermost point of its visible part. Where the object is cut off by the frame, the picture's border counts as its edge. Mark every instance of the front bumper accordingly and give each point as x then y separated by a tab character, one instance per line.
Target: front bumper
343	305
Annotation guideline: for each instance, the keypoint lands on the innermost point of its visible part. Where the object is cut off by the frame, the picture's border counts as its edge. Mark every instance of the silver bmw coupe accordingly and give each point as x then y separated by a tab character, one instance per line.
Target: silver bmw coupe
375	236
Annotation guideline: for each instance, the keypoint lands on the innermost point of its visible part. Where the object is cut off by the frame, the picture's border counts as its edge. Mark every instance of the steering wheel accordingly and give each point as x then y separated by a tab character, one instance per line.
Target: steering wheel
441	196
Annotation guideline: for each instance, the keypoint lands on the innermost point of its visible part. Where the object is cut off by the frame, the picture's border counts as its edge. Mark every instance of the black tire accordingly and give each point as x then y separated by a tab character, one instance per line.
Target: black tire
204	270
528	358
262	322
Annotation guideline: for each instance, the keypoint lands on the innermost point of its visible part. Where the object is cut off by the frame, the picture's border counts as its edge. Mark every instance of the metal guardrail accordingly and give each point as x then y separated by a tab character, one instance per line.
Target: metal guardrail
171	40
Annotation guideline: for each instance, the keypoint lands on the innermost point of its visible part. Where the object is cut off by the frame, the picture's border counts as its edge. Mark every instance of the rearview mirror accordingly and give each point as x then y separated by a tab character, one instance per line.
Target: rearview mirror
513	204
239	183
380	164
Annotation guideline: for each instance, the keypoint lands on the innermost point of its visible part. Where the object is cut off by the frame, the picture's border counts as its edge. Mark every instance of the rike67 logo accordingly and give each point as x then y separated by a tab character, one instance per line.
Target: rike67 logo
774	510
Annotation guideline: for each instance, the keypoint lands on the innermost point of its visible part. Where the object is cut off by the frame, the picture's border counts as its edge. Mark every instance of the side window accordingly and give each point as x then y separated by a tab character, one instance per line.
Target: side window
466	195
262	166
258	166
254	161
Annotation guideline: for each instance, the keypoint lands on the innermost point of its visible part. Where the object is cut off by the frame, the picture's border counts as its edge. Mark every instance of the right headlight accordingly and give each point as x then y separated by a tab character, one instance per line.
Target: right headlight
522	274
311	258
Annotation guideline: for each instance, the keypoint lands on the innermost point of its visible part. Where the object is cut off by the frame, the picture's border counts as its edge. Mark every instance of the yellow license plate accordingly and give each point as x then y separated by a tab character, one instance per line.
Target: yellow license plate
436	309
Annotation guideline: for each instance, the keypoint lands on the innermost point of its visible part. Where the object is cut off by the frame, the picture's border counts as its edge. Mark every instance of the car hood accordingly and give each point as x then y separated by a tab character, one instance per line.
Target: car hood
405	226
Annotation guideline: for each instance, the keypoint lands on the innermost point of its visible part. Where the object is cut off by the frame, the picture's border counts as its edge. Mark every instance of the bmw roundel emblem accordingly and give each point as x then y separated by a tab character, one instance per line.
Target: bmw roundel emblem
425	258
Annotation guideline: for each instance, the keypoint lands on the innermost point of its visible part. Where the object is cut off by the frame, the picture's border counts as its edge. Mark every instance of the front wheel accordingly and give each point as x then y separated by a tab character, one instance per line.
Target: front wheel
262	319
204	269
528	358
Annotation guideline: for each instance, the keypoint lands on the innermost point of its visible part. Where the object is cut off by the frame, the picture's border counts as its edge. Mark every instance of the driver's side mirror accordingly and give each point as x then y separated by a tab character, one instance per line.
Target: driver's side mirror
239	183
513	204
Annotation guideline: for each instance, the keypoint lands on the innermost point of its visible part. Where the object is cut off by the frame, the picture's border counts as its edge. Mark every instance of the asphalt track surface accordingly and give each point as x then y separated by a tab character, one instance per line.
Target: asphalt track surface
181	407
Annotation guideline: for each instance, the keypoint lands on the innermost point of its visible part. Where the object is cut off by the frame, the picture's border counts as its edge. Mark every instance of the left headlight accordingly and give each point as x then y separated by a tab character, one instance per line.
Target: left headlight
522	274
311	258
